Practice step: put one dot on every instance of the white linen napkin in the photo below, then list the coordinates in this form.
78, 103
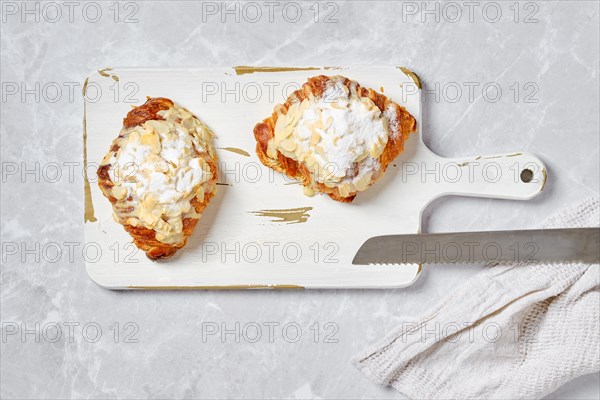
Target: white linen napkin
511, 332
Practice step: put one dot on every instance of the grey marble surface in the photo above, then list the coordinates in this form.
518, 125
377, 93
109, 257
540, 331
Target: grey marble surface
545, 60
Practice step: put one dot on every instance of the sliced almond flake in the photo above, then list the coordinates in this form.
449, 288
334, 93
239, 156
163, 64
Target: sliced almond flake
315, 138
288, 145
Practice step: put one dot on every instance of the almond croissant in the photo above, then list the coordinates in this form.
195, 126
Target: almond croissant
159, 174
334, 136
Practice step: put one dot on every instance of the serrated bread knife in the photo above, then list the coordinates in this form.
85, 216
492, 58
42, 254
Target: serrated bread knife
573, 245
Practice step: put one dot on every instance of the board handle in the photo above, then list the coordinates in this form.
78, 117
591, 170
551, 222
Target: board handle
518, 176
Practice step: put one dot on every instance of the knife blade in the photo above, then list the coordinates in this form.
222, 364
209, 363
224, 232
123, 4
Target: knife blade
571, 245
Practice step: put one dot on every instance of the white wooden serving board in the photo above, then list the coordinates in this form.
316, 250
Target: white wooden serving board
233, 246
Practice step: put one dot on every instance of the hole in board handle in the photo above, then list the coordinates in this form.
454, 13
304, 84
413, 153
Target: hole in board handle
526, 175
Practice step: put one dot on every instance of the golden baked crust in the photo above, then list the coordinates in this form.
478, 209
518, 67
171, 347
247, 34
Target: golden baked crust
147, 111
143, 237
404, 124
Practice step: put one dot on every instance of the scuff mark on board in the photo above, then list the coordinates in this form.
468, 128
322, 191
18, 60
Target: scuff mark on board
87, 190
245, 69
227, 287
416, 79
288, 215
236, 150
103, 72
